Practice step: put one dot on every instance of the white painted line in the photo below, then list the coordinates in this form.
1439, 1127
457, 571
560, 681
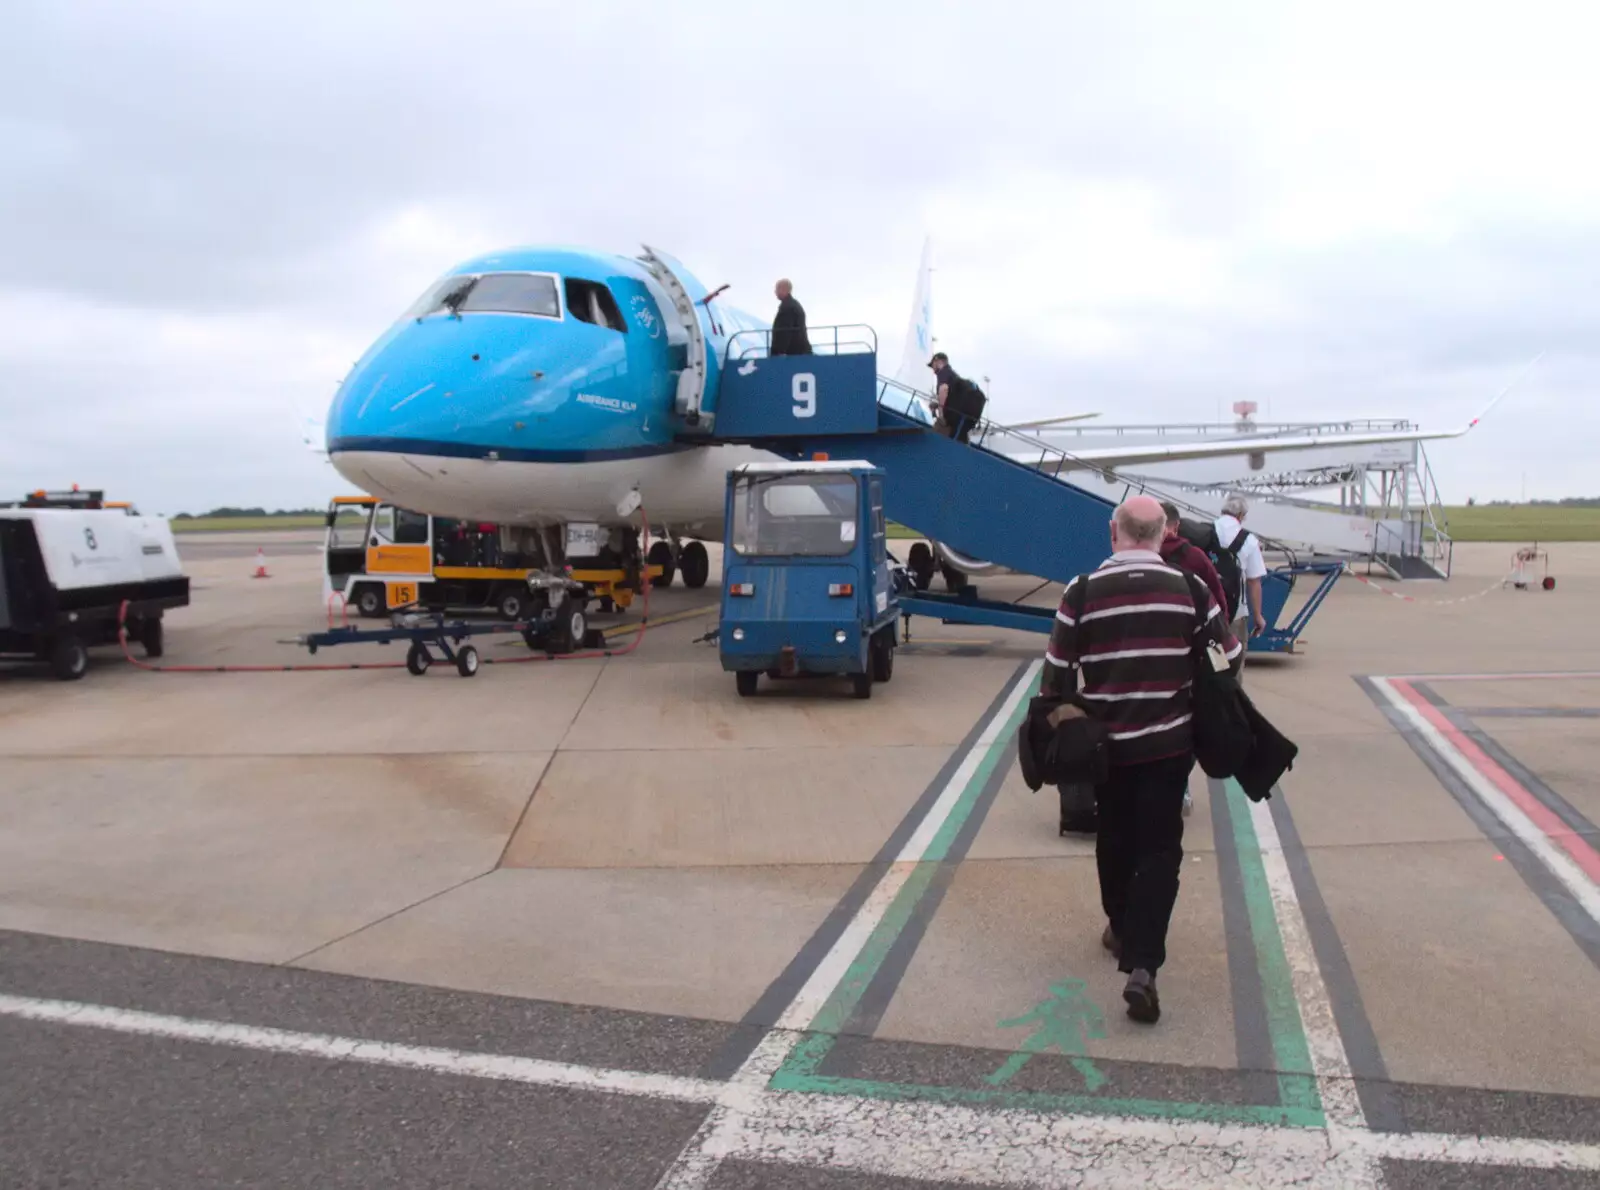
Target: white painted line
944, 1143
809, 1000
698, 1161
1514, 1151
534, 1071
1557, 861
935, 1141
1506, 677
948, 1143
1335, 1083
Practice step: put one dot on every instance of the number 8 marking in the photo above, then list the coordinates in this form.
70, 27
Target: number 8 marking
805, 394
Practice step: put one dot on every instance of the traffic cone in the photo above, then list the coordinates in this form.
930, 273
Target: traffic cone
261, 564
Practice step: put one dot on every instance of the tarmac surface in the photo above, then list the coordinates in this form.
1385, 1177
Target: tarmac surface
601, 922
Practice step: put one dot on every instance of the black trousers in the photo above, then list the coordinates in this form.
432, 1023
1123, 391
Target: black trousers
1139, 850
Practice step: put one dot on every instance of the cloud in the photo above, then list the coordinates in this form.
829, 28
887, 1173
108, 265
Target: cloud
208, 212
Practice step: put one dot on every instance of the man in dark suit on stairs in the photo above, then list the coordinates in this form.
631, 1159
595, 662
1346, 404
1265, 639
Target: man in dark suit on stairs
789, 325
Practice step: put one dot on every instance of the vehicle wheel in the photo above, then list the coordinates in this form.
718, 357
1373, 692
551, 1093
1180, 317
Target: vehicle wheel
607, 605
369, 601
883, 656
152, 638
921, 565
745, 680
513, 605
569, 628
661, 555
417, 660
863, 685
695, 564
69, 660
467, 661
954, 580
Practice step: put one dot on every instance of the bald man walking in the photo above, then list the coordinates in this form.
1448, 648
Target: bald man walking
1132, 634
789, 324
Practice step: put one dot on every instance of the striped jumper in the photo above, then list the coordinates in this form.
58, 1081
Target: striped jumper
1133, 647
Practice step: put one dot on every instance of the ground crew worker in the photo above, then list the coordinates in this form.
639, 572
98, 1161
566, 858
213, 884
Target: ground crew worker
1132, 657
789, 324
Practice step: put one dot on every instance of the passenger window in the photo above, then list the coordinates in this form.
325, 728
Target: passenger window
410, 528
383, 523
592, 302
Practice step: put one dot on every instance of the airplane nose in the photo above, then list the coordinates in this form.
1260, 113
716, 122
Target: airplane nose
446, 379
491, 386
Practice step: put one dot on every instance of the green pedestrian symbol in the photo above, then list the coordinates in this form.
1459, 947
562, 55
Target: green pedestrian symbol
1064, 1023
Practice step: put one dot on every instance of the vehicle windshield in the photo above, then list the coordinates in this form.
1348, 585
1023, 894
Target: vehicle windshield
794, 515
498, 293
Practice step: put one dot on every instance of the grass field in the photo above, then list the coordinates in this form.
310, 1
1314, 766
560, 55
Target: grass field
1481, 522
1523, 522
244, 524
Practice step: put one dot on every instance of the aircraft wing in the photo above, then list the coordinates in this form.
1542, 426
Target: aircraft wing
1117, 456
1046, 422
1108, 457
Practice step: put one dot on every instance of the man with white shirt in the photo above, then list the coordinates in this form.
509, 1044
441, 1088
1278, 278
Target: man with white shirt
1238, 550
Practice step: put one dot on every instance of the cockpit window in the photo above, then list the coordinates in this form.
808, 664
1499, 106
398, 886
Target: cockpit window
434, 299
500, 293
593, 302
514, 293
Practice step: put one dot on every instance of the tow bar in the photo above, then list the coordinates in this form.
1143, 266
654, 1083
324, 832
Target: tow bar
429, 632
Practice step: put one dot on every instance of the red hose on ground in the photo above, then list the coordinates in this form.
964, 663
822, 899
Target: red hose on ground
326, 667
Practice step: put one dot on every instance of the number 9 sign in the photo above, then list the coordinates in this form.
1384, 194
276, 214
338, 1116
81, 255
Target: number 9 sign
804, 390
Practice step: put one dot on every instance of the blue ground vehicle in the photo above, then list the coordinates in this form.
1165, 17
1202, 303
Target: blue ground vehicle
807, 588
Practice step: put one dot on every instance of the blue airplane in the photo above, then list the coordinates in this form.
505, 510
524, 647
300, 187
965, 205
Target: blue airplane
540, 386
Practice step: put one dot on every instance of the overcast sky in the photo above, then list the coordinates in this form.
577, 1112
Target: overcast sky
207, 211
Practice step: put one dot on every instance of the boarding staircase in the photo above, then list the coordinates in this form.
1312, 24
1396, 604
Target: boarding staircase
1000, 497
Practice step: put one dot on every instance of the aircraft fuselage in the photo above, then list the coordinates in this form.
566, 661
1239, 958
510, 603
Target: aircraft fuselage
536, 386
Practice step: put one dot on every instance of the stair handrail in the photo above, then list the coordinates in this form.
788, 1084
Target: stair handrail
986, 430
757, 344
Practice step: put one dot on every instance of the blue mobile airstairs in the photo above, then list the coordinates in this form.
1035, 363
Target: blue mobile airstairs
996, 498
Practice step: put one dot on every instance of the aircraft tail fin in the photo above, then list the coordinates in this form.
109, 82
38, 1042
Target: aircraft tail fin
919, 333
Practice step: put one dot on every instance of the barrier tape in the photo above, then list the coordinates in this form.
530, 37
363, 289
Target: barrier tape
1382, 590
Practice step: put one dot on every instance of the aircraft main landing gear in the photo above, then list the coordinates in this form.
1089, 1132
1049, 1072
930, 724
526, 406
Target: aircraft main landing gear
661, 555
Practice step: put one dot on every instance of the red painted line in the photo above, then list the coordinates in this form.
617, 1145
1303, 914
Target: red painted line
1511, 677
1541, 815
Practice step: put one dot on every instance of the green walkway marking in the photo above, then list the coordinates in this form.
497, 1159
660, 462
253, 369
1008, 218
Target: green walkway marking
1065, 1023
1047, 1101
807, 1056
1297, 1086
1068, 1020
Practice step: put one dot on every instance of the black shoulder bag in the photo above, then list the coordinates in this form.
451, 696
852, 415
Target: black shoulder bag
1220, 726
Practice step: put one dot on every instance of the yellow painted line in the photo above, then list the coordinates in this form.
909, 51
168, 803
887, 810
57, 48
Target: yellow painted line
656, 622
